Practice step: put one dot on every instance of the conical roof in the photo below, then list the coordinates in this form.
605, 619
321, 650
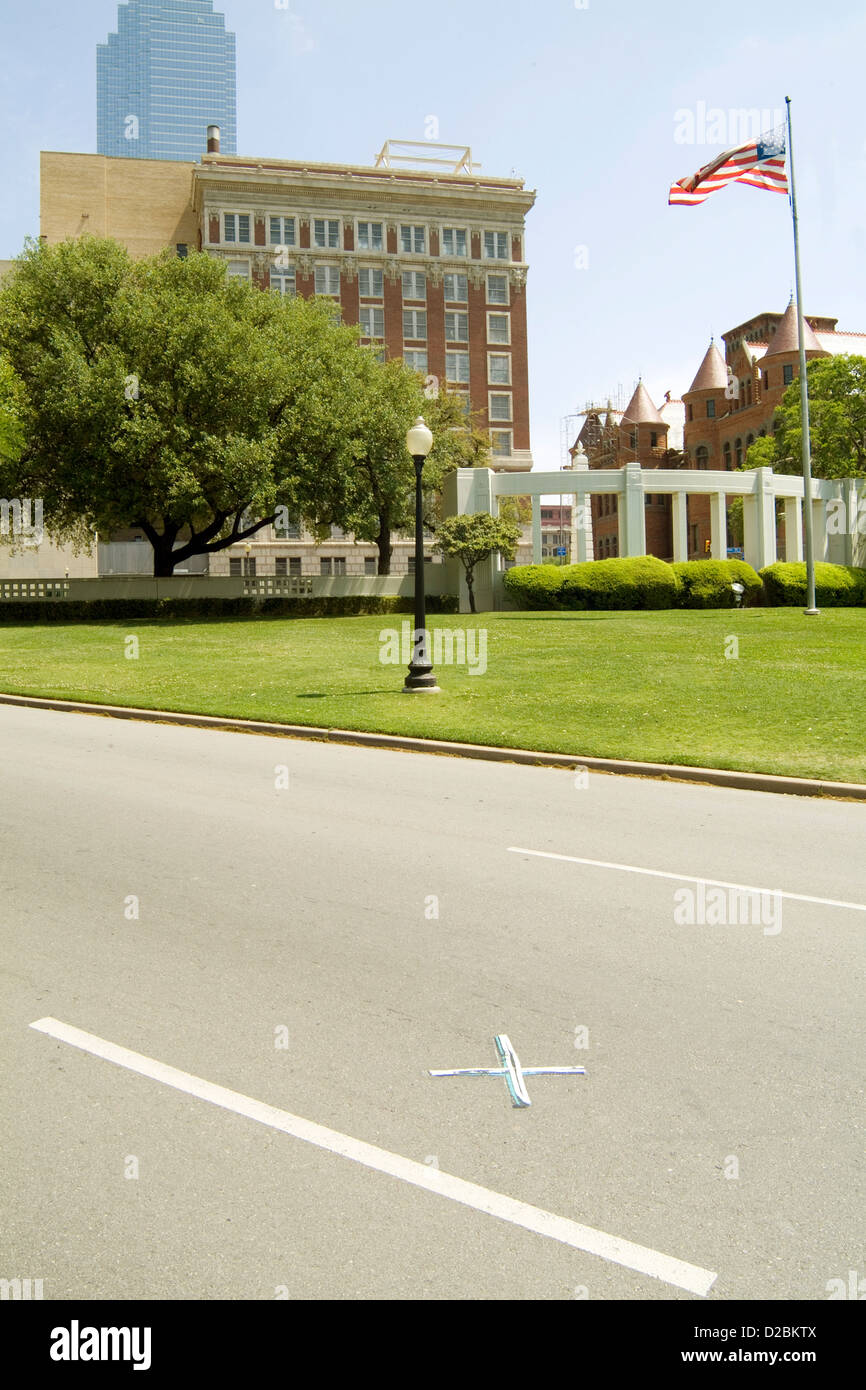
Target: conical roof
787, 339
640, 409
712, 373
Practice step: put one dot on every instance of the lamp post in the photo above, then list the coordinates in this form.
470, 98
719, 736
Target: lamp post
419, 442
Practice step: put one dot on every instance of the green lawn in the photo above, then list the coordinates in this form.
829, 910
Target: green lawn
653, 686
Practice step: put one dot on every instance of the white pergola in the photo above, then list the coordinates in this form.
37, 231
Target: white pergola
479, 490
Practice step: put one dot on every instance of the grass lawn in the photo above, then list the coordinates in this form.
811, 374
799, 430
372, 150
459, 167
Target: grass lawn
653, 686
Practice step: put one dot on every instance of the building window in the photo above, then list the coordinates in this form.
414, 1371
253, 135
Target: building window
499, 405
750, 441
283, 282
328, 280
282, 231
632, 439
498, 328
693, 534
497, 289
414, 284
280, 567
235, 568
413, 240
325, 565
371, 284
457, 367
702, 456
250, 566
372, 322
326, 233
499, 369
765, 377
182, 248
496, 246
370, 236
654, 439
711, 410
288, 530
369, 564
416, 360
738, 452
236, 227
500, 443
415, 324
727, 452
457, 328
787, 374
456, 289
410, 560
454, 241
294, 564
691, 412
239, 270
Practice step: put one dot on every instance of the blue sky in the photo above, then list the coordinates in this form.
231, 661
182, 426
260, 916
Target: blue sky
582, 103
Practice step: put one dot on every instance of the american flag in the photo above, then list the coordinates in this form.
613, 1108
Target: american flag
761, 163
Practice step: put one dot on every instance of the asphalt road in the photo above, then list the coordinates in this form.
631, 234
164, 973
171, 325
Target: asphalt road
319, 946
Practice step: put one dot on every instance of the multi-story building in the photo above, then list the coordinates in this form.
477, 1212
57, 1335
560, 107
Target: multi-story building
429, 260
168, 71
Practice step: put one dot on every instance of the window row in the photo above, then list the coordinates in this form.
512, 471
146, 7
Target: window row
326, 234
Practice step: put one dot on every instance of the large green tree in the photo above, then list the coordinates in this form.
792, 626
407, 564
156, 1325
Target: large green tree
837, 422
159, 395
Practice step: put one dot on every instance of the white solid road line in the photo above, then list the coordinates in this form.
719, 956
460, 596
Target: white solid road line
544, 1223
687, 878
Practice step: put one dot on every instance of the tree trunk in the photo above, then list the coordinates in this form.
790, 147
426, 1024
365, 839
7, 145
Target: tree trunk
163, 561
385, 548
470, 584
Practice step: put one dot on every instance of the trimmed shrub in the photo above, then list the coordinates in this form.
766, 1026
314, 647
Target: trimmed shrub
707, 583
534, 586
637, 583
192, 609
836, 586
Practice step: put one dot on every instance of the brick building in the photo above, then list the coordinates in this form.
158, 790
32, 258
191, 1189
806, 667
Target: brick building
644, 433
429, 260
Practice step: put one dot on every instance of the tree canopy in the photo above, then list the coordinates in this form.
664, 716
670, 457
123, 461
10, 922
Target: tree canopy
837, 422
157, 394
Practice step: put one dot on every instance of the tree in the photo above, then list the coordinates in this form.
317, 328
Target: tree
159, 395
837, 422
11, 434
473, 538
382, 494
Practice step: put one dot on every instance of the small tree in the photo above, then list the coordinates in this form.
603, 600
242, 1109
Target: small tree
473, 538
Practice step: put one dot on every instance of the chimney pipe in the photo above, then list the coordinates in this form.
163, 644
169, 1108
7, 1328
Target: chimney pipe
213, 139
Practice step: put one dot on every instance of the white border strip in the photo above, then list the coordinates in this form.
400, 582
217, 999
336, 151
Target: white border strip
687, 878
544, 1223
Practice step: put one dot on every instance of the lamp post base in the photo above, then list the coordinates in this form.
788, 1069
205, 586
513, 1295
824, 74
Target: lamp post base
420, 682
812, 612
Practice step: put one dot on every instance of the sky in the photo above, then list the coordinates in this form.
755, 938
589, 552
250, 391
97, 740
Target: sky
592, 102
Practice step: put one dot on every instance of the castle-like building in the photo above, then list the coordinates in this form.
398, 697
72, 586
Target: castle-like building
730, 403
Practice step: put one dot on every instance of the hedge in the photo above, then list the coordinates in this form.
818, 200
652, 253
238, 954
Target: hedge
707, 583
639, 582
836, 586
534, 586
92, 610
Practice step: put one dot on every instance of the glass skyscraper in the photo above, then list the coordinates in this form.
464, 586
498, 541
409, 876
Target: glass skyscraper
163, 78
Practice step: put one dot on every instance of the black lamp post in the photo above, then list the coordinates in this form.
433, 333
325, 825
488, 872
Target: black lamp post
419, 442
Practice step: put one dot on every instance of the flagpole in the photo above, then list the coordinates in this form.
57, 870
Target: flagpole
810, 608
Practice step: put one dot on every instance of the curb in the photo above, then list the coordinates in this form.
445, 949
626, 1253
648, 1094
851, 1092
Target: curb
669, 772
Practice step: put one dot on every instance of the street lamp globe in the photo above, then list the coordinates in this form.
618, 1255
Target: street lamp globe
419, 440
